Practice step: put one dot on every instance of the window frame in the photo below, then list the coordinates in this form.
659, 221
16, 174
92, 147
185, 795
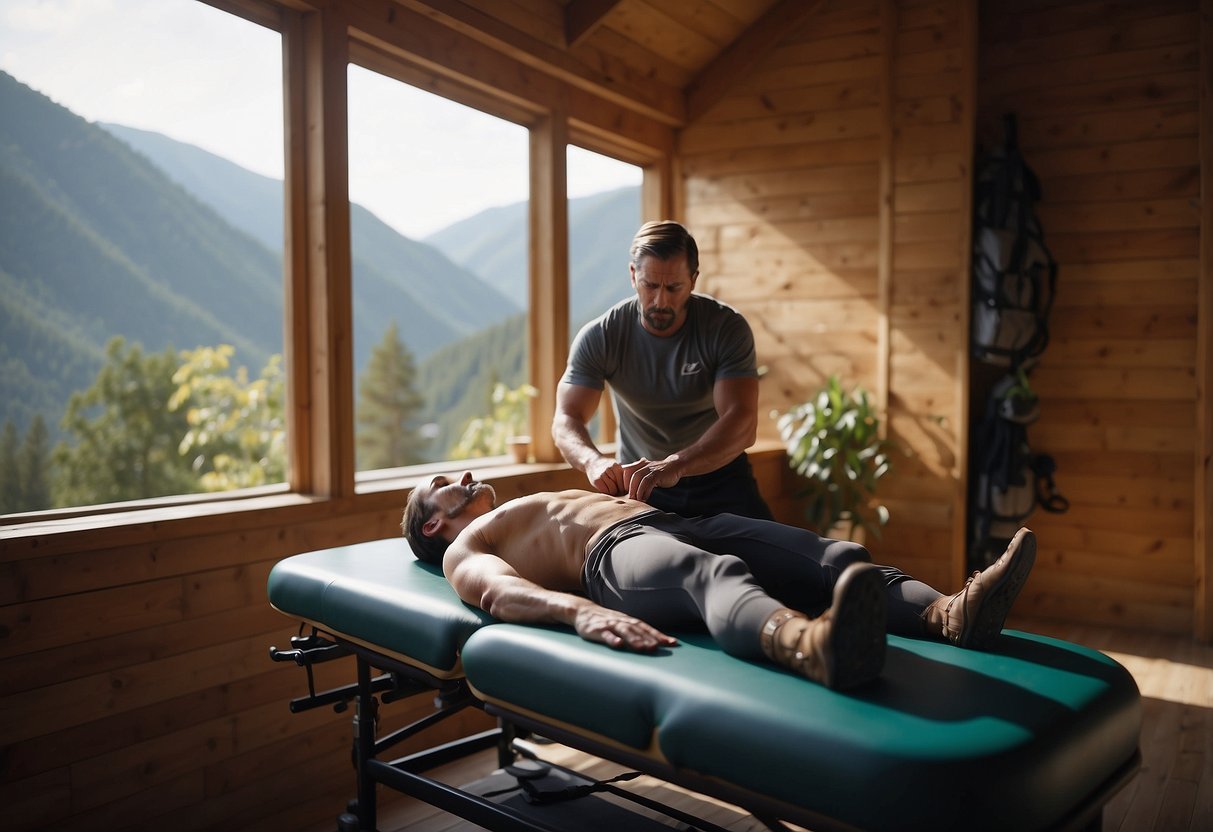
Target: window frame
319, 40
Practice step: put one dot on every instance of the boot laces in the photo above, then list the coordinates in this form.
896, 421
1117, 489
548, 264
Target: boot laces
963, 596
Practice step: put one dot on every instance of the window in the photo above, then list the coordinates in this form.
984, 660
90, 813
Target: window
141, 289
604, 214
438, 226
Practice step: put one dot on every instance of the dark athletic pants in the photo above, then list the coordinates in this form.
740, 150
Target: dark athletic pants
730, 489
731, 573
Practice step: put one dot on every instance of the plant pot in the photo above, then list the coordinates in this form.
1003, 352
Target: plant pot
520, 448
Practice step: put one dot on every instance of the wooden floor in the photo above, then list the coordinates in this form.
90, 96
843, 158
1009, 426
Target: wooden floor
1173, 792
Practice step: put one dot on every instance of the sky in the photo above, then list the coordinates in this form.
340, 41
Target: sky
199, 75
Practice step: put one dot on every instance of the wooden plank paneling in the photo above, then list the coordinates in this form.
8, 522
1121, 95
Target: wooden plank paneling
933, 110
797, 129
826, 273
731, 63
82, 658
1109, 124
749, 104
1203, 469
475, 40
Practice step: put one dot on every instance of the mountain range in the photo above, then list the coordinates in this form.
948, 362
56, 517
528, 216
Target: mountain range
601, 227
108, 230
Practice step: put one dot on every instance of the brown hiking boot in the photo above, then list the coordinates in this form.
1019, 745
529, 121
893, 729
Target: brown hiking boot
974, 616
844, 646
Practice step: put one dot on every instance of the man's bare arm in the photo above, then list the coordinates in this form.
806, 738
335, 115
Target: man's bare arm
575, 406
486, 581
735, 429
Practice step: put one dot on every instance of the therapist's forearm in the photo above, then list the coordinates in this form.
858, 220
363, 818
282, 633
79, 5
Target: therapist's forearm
720, 444
573, 440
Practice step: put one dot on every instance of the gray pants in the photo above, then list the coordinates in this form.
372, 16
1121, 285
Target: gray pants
730, 573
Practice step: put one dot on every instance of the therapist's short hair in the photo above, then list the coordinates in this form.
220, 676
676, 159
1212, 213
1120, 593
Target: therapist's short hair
665, 239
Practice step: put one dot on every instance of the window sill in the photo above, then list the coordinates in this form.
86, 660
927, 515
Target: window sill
488, 467
199, 514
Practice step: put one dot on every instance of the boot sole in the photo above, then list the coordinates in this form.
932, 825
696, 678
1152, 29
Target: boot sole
997, 600
858, 638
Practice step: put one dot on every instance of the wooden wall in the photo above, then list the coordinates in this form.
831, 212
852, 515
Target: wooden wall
1107, 98
829, 190
136, 688
830, 187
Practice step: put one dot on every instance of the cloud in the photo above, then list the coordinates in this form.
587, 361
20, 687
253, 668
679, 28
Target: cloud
39, 16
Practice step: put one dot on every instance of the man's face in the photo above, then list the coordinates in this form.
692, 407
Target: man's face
453, 497
664, 288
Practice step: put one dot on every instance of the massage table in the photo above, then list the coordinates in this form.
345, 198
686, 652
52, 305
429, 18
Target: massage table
1035, 734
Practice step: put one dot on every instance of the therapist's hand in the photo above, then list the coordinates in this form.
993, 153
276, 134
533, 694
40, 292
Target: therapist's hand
607, 476
644, 475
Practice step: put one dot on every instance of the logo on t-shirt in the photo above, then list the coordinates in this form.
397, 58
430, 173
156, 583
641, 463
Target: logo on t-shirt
690, 368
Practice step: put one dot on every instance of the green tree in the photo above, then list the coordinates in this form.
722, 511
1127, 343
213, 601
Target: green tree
388, 407
490, 435
236, 428
33, 464
126, 440
10, 474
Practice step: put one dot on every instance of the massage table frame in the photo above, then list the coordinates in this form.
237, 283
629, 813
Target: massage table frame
406, 774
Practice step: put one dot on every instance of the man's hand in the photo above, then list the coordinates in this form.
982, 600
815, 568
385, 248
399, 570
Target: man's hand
643, 475
607, 476
614, 629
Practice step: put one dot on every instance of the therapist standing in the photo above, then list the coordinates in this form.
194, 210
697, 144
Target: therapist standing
684, 382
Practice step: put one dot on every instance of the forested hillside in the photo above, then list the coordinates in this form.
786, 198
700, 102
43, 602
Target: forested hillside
458, 380
454, 377
94, 241
493, 245
433, 300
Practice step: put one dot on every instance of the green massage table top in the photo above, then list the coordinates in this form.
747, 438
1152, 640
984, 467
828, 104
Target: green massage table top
379, 595
1015, 738
946, 738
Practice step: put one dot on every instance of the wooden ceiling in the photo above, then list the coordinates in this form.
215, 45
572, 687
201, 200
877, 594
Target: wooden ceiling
668, 59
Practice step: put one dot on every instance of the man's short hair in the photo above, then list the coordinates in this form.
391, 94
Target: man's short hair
427, 548
665, 239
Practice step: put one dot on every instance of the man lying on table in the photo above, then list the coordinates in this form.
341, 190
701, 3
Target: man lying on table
616, 570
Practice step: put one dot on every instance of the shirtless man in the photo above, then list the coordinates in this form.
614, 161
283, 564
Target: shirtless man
616, 570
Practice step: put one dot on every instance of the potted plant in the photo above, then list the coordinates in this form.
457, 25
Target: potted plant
833, 440
504, 430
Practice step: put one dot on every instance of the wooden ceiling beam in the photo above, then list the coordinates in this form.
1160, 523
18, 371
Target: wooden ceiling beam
446, 63
581, 18
740, 57
655, 100
261, 12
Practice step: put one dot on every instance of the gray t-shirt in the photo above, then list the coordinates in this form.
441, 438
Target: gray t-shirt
662, 387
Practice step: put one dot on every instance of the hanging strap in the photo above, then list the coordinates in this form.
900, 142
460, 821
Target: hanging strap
1047, 497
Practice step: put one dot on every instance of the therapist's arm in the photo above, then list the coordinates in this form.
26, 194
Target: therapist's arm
735, 429
575, 406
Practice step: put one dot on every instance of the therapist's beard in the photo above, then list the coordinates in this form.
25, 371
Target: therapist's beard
660, 318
